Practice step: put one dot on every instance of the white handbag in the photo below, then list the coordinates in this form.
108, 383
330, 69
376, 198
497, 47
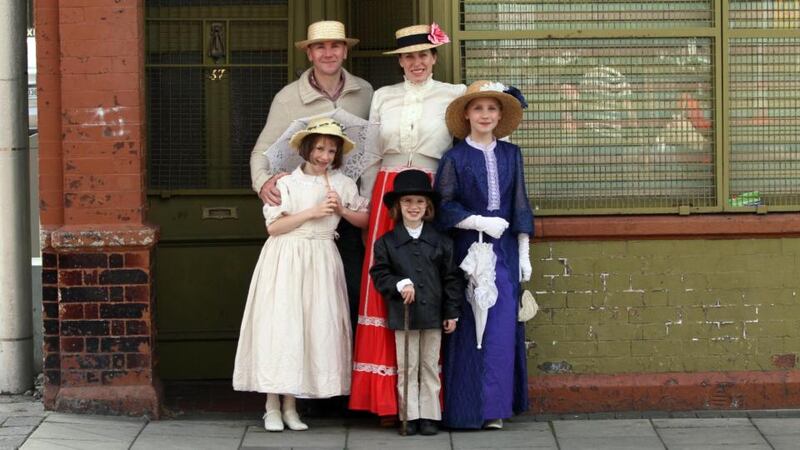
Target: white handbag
527, 306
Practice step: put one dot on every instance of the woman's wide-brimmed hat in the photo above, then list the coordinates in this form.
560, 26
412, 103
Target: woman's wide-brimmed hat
322, 125
326, 30
418, 37
511, 100
410, 182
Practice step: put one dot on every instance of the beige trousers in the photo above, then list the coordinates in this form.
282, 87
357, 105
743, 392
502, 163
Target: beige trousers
423, 373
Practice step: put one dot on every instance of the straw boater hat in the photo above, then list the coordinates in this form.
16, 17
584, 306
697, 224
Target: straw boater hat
326, 30
511, 114
410, 182
322, 125
418, 37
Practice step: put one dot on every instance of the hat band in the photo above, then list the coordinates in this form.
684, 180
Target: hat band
413, 39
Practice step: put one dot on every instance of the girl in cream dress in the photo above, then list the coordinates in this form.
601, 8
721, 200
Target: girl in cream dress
295, 338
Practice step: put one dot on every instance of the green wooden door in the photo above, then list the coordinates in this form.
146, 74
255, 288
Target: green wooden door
212, 70
213, 67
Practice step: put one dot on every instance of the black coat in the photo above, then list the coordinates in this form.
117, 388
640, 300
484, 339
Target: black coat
428, 263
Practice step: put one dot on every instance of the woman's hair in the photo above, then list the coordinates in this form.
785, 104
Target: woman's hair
309, 142
397, 215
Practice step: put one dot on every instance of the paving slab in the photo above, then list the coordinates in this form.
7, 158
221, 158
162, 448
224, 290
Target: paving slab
11, 442
607, 434
536, 435
388, 439
22, 409
784, 442
66, 431
605, 428
192, 435
23, 430
702, 423
709, 437
778, 427
18, 421
609, 443
316, 436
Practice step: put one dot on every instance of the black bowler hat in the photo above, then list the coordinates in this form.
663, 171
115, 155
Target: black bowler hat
410, 182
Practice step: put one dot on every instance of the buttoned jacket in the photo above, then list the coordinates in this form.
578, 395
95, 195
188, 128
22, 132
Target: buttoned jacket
428, 262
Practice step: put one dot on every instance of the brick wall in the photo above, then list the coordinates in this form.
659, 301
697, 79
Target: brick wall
632, 308
97, 312
665, 306
97, 248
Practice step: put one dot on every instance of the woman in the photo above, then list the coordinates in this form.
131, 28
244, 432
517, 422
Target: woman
413, 134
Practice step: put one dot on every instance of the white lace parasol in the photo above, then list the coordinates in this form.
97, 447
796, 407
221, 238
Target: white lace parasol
283, 158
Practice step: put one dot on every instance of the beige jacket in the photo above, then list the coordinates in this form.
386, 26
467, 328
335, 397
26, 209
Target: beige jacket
297, 100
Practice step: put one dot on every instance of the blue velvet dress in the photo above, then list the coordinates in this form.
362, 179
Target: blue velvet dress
487, 383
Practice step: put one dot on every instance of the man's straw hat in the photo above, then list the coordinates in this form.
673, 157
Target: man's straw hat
511, 114
322, 125
326, 30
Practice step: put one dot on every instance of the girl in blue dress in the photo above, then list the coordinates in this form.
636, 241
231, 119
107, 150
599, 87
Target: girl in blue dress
483, 190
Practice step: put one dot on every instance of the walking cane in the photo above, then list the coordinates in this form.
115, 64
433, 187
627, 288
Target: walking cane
405, 369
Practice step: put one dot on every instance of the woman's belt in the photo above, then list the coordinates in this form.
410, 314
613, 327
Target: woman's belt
416, 160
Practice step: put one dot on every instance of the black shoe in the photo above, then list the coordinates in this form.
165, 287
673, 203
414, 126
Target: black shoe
411, 428
428, 427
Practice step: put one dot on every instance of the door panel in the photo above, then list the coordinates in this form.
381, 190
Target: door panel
213, 67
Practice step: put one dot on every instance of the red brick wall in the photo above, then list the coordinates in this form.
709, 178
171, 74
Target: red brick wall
97, 248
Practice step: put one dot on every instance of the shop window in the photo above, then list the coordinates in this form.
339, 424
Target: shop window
647, 107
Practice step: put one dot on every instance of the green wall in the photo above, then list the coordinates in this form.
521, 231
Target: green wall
664, 305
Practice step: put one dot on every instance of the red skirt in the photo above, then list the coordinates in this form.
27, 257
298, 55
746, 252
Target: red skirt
374, 380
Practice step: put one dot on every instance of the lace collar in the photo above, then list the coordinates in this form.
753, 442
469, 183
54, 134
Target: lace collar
411, 86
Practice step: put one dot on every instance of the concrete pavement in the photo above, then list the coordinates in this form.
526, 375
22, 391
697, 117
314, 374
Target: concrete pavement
25, 424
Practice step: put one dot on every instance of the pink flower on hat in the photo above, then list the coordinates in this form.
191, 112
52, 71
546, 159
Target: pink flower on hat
437, 35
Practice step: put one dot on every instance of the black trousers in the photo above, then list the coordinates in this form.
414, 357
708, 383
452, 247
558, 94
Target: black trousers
351, 247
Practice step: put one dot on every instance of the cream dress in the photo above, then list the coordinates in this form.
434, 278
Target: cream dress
295, 336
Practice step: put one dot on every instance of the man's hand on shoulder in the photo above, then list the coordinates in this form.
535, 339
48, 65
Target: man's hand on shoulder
269, 193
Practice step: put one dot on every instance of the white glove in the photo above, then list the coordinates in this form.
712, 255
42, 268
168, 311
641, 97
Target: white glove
525, 268
493, 226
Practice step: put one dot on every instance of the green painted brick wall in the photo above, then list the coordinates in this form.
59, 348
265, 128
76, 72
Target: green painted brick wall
664, 306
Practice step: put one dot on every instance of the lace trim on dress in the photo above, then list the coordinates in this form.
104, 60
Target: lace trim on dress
491, 173
372, 321
375, 368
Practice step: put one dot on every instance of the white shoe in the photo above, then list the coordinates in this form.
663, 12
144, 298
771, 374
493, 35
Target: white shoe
292, 420
494, 424
272, 421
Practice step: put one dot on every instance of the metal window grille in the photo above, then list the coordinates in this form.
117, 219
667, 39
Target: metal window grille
518, 15
213, 67
627, 115
612, 123
770, 14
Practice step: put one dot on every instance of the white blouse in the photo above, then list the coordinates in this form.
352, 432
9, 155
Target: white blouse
411, 117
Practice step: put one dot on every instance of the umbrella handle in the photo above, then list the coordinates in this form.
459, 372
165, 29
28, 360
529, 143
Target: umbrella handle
480, 237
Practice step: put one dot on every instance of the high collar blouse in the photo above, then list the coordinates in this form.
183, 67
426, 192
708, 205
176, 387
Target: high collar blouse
411, 117
493, 184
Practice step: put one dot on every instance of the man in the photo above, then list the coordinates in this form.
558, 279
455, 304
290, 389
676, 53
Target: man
320, 89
